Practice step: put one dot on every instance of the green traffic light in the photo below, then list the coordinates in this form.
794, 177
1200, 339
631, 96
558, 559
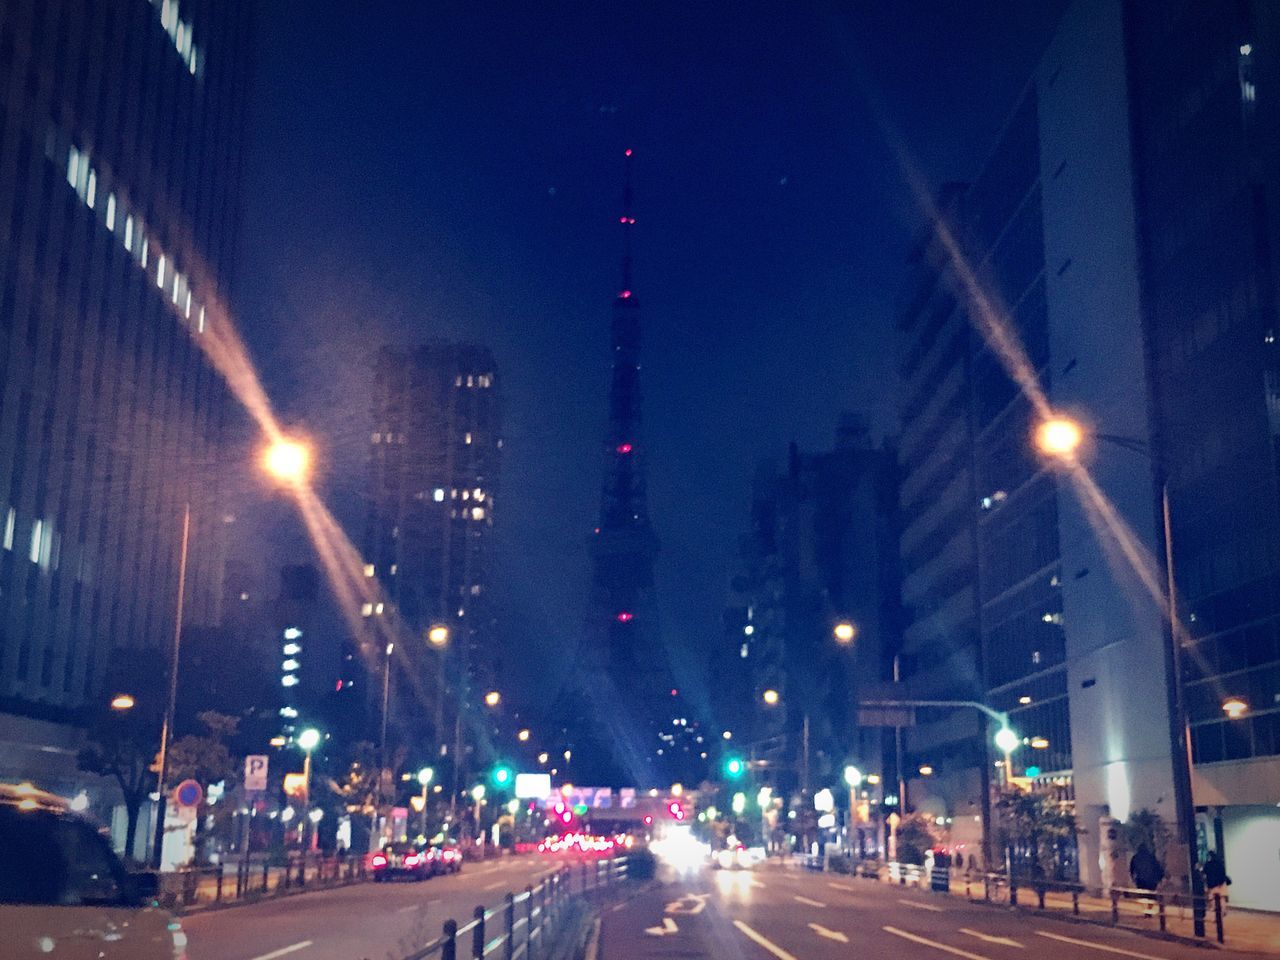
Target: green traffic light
734, 768
501, 776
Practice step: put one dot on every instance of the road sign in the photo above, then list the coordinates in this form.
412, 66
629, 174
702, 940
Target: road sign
255, 773
533, 786
886, 717
188, 794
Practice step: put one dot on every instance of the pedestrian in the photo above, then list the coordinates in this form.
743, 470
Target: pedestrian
1147, 873
1216, 880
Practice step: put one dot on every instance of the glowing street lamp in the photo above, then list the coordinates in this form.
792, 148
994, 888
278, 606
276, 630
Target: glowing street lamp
122, 701
523, 736
853, 777
1235, 707
438, 635
287, 460
770, 697
308, 740
1059, 437
844, 632
425, 776
492, 698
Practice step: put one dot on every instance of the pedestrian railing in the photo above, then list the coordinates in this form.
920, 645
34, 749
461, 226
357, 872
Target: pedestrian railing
526, 922
1166, 911
237, 881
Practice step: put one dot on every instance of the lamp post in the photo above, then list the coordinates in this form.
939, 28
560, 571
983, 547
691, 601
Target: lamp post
425, 776
853, 780
1060, 438
308, 740
477, 794
171, 700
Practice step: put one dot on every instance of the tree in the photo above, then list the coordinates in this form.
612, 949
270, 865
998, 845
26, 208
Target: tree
915, 838
358, 787
122, 745
207, 760
1146, 828
1033, 829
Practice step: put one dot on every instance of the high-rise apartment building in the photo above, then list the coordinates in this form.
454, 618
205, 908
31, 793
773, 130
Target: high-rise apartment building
120, 134
435, 449
1121, 236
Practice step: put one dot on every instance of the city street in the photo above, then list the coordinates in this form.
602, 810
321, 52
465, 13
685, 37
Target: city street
787, 913
367, 920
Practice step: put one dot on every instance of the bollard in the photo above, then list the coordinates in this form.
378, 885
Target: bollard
477, 935
449, 943
1013, 891
1160, 909
509, 914
1075, 902
218, 889
1040, 895
1217, 916
528, 921
266, 874
1115, 908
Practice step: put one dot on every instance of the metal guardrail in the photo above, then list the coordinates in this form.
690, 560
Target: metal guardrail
227, 883
525, 920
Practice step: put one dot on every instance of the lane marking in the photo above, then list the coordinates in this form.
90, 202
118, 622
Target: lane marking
494, 886
412, 906
1003, 941
933, 943
1097, 946
841, 886
765, 942
919, 906
668, 927
812, 903
679, 906
301, 945
822, 931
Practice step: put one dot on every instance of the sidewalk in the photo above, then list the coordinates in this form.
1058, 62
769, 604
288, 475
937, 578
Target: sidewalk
1248, 930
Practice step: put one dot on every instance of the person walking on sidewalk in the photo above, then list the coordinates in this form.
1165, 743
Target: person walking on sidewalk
1147, 874
1216, 880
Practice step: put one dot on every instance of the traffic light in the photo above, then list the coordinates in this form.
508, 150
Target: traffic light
501, 775
734, 768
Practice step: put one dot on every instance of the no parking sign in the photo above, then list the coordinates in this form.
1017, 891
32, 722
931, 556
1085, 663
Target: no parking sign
188, 794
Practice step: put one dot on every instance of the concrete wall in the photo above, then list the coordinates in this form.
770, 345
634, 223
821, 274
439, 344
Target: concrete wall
1114, 632
1252, 839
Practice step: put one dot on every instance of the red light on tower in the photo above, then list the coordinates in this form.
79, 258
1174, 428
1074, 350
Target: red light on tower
625, 616
625, 295
624, 448
628, 152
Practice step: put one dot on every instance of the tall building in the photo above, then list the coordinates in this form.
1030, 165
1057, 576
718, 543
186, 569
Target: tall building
822, 550
435, 449
630, 682
120, 145
1121, 234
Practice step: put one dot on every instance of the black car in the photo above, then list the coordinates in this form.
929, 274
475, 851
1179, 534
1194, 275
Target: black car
405, 860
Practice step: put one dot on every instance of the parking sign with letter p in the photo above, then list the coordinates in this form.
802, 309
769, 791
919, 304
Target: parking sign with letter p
255, 773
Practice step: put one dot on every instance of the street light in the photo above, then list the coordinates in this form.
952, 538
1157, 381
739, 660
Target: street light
770, 697
425, 776
523, 736
122, 701
288, 461
492, 698
438, 635
1235, 707
308, 740
1060, 437
543, 758
844, 632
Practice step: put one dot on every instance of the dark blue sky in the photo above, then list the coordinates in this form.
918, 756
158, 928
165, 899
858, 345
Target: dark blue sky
422, 170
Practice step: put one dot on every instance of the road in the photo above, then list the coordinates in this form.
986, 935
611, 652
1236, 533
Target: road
785, 913
367, 921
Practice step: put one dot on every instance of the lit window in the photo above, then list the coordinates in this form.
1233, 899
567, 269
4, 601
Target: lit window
743, 652
478, 494
111, 212
289, 680
477, 513
10, 518
244, 596
378, 608
438, 494
37, 535
289, 713
73, 167
467, 438
290, 665
470, 380
394, 568
292, 649
368, 569
377, 438
200, 325
748, 629
91, 191
187, 309
366, 610
143, 252
292, 633
466, 494
475, 589
160, 272
128, 233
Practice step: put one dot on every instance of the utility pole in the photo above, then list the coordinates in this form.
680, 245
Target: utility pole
171, 701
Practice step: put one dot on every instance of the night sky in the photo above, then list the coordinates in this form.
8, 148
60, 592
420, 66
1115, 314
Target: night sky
454, 170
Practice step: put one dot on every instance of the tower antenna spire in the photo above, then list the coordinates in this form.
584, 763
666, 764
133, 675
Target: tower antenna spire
627, 220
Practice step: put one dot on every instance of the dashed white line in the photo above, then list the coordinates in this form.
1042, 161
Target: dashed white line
919, 906
914, 938
841, 886
494, 886
1003, 941
302, 945
1097, 946
806, 900
764, 941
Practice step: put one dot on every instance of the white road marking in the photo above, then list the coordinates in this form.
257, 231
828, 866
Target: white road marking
822, 931
841, 886
302, 945
668, 927
764, 941
933, 943
679, 906
412, 906
812, 903
494, 886
919, 906
1003, 941
1098, 946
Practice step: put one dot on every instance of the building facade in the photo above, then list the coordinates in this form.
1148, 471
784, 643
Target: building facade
435, 450
120, 134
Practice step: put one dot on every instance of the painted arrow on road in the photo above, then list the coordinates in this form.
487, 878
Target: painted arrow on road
822, 931
668, 927
1003, 941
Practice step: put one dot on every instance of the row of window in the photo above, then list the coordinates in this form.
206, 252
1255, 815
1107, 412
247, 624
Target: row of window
474, 380
83, 178
180, 32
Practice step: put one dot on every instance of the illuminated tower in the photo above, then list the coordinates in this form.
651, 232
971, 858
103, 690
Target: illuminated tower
629, 676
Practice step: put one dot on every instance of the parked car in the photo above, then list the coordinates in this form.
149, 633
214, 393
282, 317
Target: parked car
63, 892
402, 861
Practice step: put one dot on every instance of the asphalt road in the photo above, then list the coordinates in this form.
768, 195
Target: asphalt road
368, 921
785, 913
